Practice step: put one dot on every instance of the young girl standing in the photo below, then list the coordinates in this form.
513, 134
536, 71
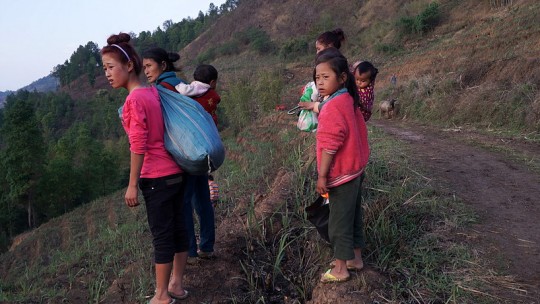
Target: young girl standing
152, 168
342, 154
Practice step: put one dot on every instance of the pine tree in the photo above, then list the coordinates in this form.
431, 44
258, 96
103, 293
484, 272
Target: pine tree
24, 153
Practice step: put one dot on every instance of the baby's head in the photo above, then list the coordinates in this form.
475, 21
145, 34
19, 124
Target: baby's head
364, 73
206, 73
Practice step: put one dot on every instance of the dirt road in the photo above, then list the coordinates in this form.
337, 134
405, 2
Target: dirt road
505, 194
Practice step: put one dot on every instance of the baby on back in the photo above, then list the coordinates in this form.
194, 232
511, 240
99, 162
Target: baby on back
203, 89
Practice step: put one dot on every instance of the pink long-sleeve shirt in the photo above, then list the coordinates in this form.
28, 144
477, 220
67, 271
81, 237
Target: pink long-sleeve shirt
343, 133
143, 121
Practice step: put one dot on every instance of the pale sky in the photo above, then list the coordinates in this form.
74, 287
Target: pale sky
37, 35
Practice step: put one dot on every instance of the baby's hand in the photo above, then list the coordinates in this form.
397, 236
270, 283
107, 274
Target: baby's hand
306, 105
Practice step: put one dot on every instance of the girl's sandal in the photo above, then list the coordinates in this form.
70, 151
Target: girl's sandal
179, 297
173, 301
327, 277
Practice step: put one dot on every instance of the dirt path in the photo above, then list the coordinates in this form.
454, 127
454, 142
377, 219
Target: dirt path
217, 280
504, 194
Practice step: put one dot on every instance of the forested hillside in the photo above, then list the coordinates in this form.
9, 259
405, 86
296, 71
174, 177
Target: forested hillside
3, 96
44, 84
61, 150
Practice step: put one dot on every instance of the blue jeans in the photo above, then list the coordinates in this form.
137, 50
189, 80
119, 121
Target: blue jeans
197, 196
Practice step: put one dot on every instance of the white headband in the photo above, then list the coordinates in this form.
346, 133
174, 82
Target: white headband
121, 49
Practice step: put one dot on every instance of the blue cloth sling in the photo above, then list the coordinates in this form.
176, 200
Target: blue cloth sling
191, 135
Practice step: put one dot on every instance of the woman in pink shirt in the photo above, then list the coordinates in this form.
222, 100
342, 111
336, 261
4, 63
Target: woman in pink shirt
152, 168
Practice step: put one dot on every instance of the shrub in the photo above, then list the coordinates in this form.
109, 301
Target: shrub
294, 48
228, 48
262, 43
427, 20
407, 25
256, 38
242, 37
250, 98
387, 48
206, 56
499, 3
239, 108
268, 90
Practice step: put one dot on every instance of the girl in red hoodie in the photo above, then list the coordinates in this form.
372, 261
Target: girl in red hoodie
342, 155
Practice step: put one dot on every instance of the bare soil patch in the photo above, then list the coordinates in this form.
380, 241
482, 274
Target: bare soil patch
504, 193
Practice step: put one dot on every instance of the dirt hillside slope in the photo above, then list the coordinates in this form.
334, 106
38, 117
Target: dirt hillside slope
504, 194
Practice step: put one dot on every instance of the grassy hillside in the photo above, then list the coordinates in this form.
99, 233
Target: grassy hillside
476, 67
473, 66
267, 251
101, 252
78, 257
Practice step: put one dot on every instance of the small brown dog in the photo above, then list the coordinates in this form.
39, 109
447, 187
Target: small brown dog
389, 108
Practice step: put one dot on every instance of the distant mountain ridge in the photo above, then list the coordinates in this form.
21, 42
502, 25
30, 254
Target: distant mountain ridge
45, 84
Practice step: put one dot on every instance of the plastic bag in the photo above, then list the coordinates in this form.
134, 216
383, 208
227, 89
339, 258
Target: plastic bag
307, 121
309, 92
318, 214
191, 135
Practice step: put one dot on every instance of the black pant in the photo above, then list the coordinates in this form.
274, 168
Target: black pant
164, 203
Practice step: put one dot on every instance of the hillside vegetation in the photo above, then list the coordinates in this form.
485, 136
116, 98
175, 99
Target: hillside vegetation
44, 84
469, 63
474, 64
50, 142
268, 252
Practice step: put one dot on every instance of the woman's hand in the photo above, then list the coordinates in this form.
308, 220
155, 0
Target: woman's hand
132, 193
321, 185
306, 105
132, 196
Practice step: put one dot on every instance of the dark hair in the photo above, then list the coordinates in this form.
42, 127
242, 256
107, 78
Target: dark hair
117, 45
332, 38
366, 66
210, 177
339, 65
159, 55
205, 73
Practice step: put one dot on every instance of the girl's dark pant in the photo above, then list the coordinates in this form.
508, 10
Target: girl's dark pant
345, 225
164, 203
